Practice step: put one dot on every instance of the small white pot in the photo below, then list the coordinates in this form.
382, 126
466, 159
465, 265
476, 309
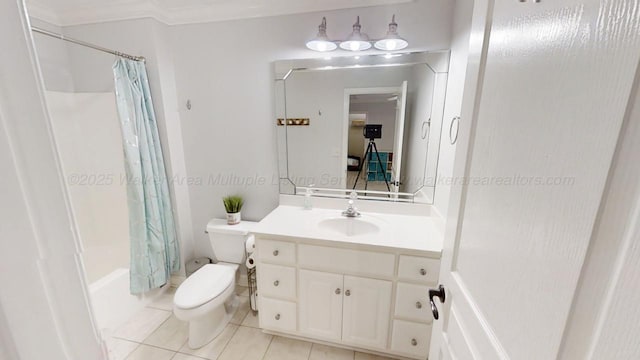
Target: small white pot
233, 219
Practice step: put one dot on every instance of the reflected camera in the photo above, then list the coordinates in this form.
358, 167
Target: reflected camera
372, 131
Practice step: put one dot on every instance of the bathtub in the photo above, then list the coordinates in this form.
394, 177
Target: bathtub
112, 303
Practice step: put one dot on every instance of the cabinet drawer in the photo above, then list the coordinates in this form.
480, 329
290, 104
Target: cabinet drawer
411, 338
276, 281
412, 302
277, 314
418, 269
346, 261
280, 252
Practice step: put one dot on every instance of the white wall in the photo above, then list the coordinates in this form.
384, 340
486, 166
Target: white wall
93, 168
382, 114
226, 70
54, 59
316, 150
460, 31
43, 299
91, 71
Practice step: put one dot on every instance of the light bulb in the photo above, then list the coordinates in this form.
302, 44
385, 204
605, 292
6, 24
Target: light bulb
391, 44
322, 46
354, 46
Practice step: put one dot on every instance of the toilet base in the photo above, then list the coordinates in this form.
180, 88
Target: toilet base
208, 326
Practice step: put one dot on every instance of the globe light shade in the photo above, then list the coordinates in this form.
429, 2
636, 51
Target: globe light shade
322, 42
357, 41
355, 45
392, 41
321, 45
391, 44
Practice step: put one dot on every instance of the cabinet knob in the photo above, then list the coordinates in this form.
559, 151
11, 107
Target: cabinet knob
347, 293
423, 272
338, 291
414, 342
275, 252
277, 316
418, 305
276, 283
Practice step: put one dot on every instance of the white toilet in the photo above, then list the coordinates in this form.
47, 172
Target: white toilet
206, 299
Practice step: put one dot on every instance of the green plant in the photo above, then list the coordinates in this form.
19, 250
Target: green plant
233, 203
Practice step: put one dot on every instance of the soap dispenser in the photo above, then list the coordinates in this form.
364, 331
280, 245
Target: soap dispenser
307, 197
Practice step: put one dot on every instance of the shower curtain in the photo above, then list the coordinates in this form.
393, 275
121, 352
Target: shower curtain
154, 244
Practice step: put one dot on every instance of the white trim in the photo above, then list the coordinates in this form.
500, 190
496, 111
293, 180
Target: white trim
345, 117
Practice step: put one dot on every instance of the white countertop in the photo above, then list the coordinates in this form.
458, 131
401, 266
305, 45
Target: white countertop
416, 233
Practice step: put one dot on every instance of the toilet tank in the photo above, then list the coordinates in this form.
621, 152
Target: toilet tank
227, 241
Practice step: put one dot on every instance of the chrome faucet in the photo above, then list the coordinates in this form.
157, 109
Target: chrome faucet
351, 211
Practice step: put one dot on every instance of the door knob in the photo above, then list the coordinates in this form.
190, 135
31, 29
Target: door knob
347, 293
338, 291
423, 272
275, 252
277, 316
439, 293
418, 305
276, 283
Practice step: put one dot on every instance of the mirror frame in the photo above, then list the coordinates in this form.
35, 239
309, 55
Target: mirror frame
437, 61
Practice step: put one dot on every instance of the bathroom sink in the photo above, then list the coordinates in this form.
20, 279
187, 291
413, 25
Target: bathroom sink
349, 226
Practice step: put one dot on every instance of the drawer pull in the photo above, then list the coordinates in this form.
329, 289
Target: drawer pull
277, 316
276, 283
423, 272
418, 305
338, 291
347, 293
414, 342
275, 252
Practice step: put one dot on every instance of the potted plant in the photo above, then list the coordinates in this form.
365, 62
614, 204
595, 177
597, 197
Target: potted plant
233, 205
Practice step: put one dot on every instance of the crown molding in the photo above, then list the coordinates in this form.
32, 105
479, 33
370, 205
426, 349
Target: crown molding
190, 12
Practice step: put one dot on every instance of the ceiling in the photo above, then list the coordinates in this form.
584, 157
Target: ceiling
173, 12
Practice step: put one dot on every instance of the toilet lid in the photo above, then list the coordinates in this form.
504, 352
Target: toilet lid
203, 286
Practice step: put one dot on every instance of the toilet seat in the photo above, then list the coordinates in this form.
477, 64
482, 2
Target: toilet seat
204, 285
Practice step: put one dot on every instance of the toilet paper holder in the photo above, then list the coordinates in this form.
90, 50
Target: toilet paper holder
253, 287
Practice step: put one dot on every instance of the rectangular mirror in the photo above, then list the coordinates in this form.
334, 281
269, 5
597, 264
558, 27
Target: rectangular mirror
366, 123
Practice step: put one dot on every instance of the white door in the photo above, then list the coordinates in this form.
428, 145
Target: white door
320, 304
539, 129
366, 308
401, 110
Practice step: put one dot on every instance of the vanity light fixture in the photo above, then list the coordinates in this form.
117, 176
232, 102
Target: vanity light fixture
321, 42
358, 41
392, 41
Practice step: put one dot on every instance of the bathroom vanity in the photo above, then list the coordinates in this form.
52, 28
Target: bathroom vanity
360, 283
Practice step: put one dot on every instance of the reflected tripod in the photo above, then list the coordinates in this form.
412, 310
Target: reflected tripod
368, 153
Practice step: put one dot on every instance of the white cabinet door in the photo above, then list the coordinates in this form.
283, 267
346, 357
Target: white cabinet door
555, 78
320, 304
367, 304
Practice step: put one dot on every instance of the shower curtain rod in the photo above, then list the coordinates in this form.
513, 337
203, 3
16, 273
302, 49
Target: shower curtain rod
89, 45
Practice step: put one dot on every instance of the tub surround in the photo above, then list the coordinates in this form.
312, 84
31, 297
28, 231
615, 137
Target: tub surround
359, 283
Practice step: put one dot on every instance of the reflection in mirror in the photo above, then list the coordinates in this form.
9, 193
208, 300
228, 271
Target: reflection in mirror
367, 126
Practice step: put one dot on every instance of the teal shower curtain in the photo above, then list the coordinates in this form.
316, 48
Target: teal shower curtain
155, 252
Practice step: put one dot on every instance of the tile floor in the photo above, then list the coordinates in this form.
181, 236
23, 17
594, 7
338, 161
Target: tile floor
155, 334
